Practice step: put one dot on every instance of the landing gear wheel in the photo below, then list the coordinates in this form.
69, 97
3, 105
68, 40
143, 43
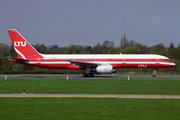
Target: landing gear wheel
88, 75
91, 74
154, 73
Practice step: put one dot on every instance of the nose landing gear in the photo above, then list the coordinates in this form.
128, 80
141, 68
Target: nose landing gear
154, 73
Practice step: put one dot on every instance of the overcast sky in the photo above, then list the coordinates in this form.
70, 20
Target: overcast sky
88, 22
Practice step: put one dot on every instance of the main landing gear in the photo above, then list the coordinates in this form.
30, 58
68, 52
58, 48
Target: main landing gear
88, 73
154, 73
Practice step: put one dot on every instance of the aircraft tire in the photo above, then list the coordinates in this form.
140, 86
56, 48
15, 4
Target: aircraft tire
88, 75
91, 74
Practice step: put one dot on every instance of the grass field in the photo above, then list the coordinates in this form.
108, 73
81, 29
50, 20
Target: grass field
94, 86
88, 109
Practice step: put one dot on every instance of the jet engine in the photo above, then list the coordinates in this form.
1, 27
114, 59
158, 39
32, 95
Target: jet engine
105, 68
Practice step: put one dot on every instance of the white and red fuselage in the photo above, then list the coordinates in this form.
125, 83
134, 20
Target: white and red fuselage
101, 63
117, 61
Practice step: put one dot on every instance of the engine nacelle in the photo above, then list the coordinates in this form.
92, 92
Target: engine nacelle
105, 68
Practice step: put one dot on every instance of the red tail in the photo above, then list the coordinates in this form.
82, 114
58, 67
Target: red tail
23, 49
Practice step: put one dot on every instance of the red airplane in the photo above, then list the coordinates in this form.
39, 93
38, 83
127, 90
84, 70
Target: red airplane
100, 63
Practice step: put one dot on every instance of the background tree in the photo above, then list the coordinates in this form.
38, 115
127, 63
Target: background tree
5, 63
106, 46
72, 49
1, 64
179, 44
143, 49
4, 49
130, 50
54, 49
158, 49
96, 49
171, 45
123, 41
41, 48
174, 53
113, 50
87, 49
63, 50
12, 51
79, 49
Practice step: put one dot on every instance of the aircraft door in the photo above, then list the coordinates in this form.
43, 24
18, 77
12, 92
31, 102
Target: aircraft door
124, 61
38, 60
157, 61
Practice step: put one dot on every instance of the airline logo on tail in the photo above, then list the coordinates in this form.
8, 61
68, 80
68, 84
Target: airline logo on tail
22, 47
19, 44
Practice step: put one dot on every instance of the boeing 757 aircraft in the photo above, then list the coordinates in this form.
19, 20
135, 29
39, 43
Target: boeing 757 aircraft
100, 63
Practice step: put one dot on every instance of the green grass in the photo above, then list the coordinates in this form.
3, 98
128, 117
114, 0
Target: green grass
94, 86
88, 109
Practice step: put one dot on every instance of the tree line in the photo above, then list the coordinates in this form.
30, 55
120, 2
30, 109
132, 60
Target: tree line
126, 47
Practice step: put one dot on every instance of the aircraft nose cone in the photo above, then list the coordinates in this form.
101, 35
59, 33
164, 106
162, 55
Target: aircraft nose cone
172, 64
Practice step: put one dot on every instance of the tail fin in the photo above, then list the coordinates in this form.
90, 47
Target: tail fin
23, 49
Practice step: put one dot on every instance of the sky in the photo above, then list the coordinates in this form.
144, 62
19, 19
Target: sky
88, 22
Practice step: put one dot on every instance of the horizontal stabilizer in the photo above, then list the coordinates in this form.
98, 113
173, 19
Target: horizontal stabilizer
20, 59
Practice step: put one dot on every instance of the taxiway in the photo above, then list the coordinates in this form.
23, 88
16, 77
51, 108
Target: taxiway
139, 96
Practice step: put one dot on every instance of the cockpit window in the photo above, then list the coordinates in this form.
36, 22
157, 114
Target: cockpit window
166, 59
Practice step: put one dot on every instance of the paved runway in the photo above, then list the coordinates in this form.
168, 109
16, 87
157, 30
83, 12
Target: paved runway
96, 76
139, 96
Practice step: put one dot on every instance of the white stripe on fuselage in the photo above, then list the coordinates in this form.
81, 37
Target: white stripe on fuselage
59, 59
103, 62
103, 56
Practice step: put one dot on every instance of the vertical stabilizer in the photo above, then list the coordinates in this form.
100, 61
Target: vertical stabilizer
23, 49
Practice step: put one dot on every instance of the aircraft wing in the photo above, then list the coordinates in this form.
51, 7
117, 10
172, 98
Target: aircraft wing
84, 64
20, 59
